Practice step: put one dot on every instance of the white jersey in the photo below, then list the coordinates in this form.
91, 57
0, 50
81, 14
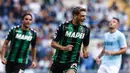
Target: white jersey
113, 42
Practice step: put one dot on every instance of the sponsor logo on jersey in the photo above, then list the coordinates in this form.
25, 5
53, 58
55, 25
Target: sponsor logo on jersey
75, 34
23, 37
18, 31
74, 66
21, 71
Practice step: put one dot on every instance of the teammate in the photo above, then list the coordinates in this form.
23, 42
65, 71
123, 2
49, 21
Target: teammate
20, 38
114, 46
67, 42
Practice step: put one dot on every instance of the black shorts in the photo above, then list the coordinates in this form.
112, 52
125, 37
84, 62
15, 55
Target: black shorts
63, 67
12, 67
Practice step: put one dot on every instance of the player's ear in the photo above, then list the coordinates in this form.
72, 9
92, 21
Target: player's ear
74, 16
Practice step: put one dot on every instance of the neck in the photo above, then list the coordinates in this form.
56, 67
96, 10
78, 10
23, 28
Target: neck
74, 22
112, 30
24, 28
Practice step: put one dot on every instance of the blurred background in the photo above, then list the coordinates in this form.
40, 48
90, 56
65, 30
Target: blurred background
48, 14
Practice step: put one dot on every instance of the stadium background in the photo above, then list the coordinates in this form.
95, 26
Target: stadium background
48, 14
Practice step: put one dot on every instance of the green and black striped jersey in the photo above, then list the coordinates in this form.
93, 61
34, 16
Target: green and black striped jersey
69, 34
20, 41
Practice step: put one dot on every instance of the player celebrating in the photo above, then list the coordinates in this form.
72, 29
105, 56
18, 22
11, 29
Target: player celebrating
20, 38
67, 42
114, 46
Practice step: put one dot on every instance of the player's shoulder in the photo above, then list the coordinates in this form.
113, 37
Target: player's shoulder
15, 27
85, 27
120, 33
64, 24
107, 33
33, 30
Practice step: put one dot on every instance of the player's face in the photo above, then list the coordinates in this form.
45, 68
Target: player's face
113, 24
27, 21
81, 17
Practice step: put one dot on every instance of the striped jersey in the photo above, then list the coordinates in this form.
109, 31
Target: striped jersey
69, 34
20, 41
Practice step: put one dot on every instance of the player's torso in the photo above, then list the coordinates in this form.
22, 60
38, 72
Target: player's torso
22, 38
111, 41
23, 35
72, 35
19, 46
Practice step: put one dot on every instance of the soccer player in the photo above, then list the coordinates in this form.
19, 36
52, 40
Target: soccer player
20, 38
114, 46
67, 42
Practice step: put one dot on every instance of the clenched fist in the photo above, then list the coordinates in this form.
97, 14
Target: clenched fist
85, 54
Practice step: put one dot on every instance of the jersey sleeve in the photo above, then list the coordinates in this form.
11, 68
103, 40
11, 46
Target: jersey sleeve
10, 34
33, 42
58, 33
86, 38
122, 41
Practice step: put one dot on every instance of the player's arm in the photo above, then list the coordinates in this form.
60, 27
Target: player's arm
123, 46
86, 43
85, 52
4, 48
55, 44
5, 45
58, 36
98, 59
101, 54
122, 51
33, 48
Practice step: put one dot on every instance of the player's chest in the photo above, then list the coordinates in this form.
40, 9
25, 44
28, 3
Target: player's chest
72, 32
22, 35
110, 40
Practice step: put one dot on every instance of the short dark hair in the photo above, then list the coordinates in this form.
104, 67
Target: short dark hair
116, 19
77, 10
25, 14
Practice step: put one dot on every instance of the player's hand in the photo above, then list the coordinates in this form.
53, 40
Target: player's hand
4, 61
85, 54
108, 52
98, 60
33, 64
68, 48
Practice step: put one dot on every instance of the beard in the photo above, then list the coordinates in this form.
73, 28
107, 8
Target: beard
110, 26
80, 22
25, 26
77, 22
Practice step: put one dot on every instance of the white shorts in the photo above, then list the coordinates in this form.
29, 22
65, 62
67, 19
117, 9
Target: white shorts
108, 69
